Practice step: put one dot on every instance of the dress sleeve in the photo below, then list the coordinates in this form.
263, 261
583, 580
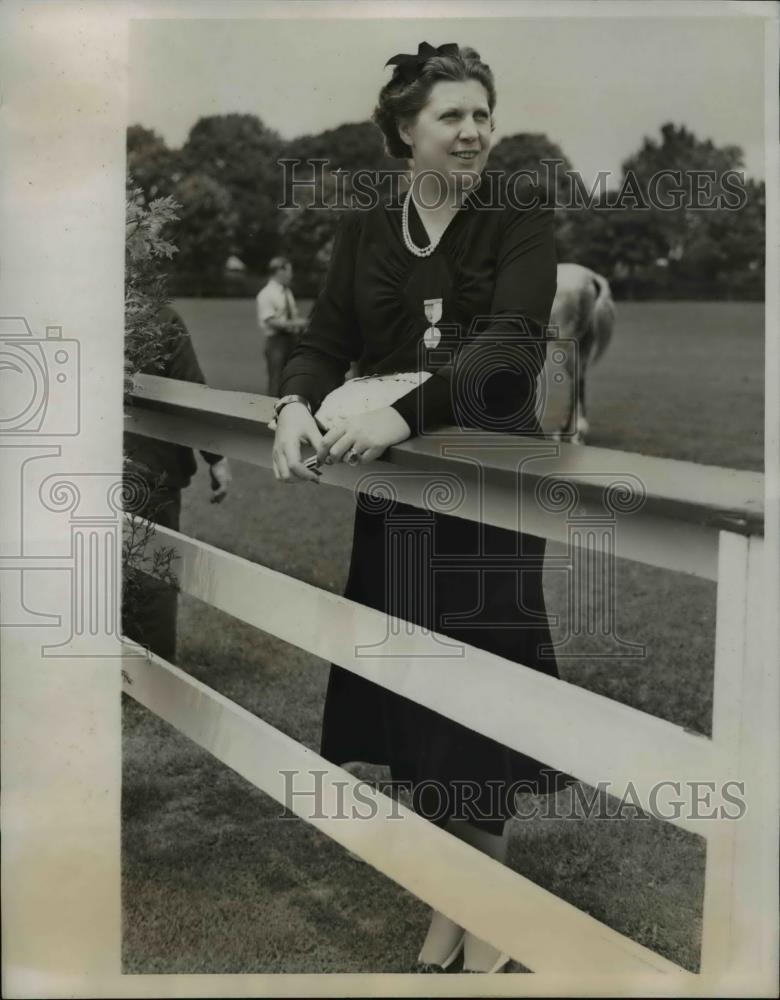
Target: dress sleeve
332, 341
504, 356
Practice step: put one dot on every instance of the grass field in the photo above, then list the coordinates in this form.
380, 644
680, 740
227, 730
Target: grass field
680, 379
213, 881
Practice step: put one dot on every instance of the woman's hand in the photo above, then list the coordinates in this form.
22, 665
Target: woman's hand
294, 425
365, 436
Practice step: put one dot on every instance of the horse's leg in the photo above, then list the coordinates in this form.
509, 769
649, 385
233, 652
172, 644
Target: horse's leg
581, 427
575, 426
568, 426
585, 353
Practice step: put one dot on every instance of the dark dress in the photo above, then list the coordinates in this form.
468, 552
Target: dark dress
495, 265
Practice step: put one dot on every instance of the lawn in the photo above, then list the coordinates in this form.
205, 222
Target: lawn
680, 379
214, 881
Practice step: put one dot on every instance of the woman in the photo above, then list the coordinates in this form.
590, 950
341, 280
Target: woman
476, 261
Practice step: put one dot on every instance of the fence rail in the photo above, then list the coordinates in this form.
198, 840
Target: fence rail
693, 519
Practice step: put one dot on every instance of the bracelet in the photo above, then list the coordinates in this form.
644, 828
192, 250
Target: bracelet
281, 403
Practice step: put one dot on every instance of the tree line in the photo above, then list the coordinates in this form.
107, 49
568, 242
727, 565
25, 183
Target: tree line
228, 184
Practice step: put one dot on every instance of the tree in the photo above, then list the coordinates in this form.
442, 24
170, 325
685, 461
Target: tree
306, 236
747, 233
207, 225
527, 151
146, 250
726, 248
241, 154
306, 233
613, 241
351, 147
154, 168
545, 161
680, 149
717, 247
654, 166
148, 343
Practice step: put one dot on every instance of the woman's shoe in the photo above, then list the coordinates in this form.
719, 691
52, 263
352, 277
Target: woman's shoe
419, 968
426, 967
497, 965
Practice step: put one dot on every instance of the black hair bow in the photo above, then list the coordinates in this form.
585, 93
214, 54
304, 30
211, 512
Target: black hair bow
424, 53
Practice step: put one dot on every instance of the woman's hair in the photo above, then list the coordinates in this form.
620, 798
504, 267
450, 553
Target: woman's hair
407, 92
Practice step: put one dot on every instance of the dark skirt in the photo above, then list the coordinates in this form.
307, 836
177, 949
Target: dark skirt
399, 565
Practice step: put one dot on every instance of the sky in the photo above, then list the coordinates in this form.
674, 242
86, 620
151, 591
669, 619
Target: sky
597, 86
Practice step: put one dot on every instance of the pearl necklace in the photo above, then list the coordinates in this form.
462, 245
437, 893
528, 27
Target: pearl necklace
410, 246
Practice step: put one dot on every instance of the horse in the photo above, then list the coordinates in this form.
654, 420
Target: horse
583, 312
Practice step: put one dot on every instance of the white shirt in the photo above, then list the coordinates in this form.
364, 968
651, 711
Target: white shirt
274, 301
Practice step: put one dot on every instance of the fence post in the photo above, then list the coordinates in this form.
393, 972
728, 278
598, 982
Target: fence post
739, 903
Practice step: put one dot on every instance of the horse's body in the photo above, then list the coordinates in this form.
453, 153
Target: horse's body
583, 312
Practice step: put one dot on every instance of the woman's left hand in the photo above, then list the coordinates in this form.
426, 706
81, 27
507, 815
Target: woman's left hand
367, 436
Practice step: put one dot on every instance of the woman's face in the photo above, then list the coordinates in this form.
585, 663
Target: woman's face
452, 133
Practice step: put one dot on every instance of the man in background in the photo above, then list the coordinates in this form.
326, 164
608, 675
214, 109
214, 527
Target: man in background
166, 469
278, 319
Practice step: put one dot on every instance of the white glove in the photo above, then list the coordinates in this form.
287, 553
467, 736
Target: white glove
368, 392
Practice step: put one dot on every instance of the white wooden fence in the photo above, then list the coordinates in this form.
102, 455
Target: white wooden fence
694, 519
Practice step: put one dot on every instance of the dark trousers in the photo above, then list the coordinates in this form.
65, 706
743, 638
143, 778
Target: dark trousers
149, 615
278, 348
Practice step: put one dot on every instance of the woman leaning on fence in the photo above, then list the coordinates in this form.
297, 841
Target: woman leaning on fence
396, 272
